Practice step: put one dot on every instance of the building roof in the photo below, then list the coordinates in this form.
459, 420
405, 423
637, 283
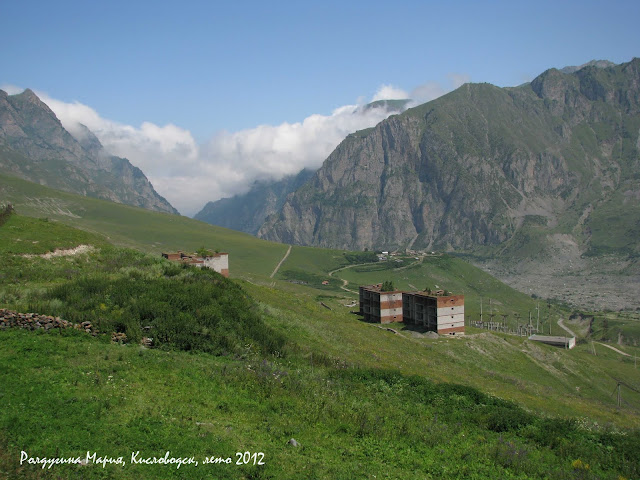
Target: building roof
378, 289
550, 339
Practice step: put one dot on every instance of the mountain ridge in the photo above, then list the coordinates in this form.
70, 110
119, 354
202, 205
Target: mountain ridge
511, 175
34, 145
247, 212
491, 134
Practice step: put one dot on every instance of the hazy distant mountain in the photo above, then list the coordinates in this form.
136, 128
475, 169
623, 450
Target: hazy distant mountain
247, 212
35, 146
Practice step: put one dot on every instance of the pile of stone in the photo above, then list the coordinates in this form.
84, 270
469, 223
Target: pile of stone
118, 337
35, 321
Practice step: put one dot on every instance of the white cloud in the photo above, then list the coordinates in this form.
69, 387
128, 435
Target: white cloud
11, 89
189, 175
432, 90
389, 92
154, 149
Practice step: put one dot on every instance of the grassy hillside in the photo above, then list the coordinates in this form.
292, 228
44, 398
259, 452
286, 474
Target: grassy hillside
141, 229
349, 423
358, 400
105, 287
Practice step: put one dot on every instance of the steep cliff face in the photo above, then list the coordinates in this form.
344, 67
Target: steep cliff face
35, 146
247, 212
478, 167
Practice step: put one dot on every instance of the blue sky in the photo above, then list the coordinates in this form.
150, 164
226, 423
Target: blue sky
211, 67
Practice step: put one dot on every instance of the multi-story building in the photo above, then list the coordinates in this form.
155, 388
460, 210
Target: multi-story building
377, 306
437, 312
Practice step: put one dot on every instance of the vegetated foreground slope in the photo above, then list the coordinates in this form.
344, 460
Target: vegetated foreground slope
35, 146
320, 378
543, 179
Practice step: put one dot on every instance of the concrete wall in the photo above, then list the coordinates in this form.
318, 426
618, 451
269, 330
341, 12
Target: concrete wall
390, 307
219, 263
381, 307
444, 315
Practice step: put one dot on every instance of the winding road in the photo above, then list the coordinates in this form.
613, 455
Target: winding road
561, 325
566, 329
345, 282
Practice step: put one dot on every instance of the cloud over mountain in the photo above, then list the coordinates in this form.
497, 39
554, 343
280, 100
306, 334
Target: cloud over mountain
189, 174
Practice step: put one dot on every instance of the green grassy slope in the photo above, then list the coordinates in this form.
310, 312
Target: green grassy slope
298, 305
144, 230
359, 399
85, 395
541, 378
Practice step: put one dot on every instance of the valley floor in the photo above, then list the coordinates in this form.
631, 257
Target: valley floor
589, 289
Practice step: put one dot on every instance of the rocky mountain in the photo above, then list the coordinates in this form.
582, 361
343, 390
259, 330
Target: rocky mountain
592, 63
543, 178
35, 146
247, 212
475, 166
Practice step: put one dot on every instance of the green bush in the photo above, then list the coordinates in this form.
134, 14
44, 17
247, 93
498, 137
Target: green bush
185, 308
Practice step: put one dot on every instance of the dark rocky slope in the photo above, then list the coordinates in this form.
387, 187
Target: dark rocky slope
35, 146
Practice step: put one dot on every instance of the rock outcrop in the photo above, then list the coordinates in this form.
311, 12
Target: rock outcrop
35, 146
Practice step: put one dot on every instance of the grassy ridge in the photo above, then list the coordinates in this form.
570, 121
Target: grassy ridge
144, 230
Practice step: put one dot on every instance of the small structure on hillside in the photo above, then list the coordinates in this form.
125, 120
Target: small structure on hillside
564, 342
215, 261
380, 306
435, 311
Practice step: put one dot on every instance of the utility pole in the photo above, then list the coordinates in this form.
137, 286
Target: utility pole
481, 311
538, 322
619, 395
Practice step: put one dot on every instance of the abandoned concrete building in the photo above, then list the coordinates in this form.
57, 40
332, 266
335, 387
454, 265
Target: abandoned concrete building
217, 261
380, 307
564, 342
436, 312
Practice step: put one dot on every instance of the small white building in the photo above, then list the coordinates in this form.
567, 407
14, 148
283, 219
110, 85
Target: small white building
218, 262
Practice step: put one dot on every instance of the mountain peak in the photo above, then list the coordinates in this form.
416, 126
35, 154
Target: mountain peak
592, 63
29, 96
41, 150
